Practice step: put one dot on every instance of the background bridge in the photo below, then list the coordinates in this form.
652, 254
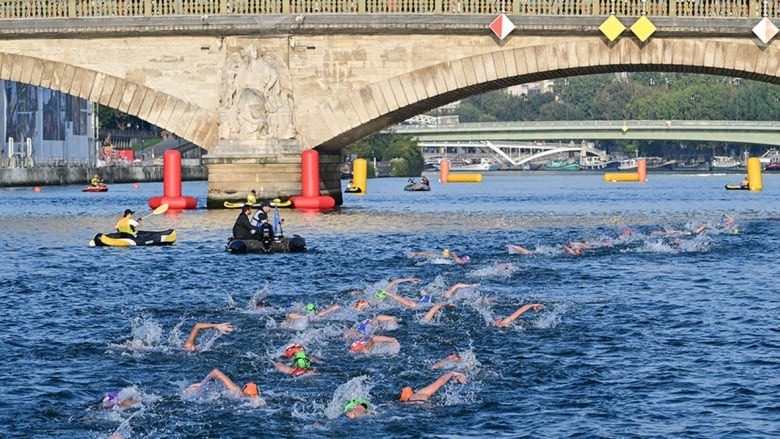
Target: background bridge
758, 132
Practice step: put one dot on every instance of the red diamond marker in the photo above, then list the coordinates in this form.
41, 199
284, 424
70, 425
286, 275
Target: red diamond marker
502, 26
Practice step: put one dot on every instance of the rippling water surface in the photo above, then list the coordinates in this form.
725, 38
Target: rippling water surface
641, 337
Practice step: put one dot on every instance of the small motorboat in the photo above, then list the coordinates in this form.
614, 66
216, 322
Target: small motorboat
736, 187
141, 238
99, 188
295, 244
353, 190
418, 186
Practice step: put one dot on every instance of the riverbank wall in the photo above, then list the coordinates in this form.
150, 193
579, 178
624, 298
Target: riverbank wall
52, 176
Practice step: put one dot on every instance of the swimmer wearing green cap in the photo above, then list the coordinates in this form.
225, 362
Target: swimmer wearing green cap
356, 408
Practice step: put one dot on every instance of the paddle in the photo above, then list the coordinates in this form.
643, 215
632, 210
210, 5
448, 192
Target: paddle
162, 209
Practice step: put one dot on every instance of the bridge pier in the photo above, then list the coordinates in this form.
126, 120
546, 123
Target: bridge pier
236, 167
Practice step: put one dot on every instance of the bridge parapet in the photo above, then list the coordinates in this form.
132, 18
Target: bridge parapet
26, 9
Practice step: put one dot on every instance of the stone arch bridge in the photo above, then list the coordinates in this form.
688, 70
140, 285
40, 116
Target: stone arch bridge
256, 90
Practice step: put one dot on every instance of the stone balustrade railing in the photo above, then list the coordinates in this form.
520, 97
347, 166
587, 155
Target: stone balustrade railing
32, 9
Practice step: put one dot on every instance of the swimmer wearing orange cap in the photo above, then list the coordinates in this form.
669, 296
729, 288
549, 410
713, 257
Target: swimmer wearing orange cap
424, 394
249, 390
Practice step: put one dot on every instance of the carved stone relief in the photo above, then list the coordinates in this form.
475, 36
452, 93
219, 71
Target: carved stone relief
256, 100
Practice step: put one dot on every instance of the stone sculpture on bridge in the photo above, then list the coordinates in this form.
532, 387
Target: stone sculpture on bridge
256, 101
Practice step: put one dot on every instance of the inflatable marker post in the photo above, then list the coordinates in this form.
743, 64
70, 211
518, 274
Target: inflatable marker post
360, 175
310, 182
172, 184
640, 175
444, 171
464, 178
754, 174
614, 177
641, 170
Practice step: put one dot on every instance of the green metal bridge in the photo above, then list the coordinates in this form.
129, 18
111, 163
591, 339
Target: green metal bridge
762, 133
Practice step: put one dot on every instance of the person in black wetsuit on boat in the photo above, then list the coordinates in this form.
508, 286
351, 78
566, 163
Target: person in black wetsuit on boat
242, 229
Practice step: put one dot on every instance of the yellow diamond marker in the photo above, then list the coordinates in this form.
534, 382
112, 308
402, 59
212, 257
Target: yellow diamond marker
612, 28
643, 28
624, 127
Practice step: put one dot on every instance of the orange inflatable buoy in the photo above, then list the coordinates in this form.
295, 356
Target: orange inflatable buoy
37, 189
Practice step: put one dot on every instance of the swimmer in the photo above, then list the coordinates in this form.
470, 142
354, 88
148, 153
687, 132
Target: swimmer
223, 328
460, 259
448, 294
402, 300
301, 363
113, 400
519, 249
507, 322
424, 394
572, 250
366, 345
381, 294
447, 362
364, 327
356, 408
435, 309
249, 390
311, 312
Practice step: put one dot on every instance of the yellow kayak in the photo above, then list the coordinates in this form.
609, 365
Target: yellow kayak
143, 237
276, 202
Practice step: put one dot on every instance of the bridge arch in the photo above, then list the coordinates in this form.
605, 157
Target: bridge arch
392, 100
176, 115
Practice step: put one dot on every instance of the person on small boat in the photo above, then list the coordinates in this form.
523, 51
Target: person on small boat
243, 229
351, 187
249, 390
410, 182
223, 328
96, 181
127, 224
261, 216
251, 198
745, 184
425, 181
424, 394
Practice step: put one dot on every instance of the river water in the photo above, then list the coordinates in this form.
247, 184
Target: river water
645, 336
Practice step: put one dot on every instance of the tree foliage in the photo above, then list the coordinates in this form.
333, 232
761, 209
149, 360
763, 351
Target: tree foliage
402, 152
634, 96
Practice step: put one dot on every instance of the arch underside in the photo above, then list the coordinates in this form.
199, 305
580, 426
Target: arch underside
171, 113
396, 99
